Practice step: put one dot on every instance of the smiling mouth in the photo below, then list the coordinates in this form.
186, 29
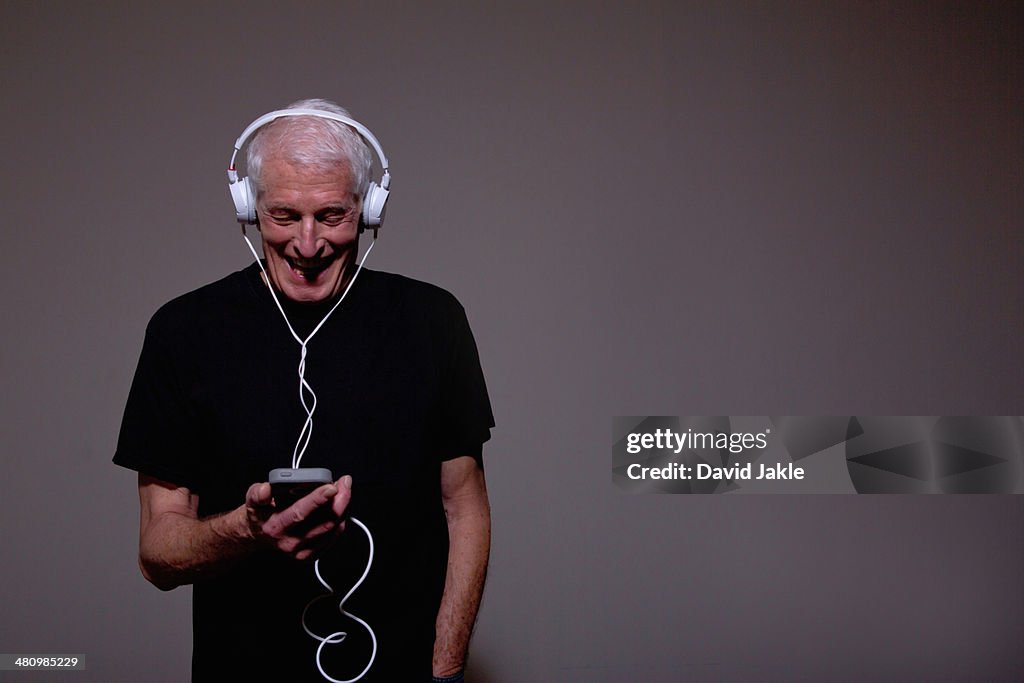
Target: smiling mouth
308, 269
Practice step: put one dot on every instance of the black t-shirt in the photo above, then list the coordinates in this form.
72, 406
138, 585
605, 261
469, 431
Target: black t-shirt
214, 406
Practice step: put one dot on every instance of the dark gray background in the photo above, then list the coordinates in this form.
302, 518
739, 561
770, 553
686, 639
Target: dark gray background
646, 208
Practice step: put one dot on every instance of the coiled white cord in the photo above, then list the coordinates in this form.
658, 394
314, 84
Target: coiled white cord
339, 636
300, 449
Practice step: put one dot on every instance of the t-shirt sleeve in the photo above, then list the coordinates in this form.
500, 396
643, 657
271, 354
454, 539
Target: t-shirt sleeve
466, 409
158, 434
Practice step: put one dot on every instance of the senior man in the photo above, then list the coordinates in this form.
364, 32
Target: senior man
401, 413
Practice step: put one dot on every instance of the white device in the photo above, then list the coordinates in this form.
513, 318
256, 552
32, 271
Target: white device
243, 193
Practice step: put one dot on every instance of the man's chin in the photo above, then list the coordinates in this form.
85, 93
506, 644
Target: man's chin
308, 293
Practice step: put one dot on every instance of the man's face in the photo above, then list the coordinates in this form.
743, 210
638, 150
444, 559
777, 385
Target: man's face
309, 221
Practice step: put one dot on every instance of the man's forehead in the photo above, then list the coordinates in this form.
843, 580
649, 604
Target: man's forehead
284, 174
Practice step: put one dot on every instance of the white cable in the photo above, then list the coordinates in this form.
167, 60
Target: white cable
304, 437
307, 428
339, 636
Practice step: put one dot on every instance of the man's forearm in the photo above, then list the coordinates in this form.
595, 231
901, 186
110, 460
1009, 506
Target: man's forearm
469, 546
176, 549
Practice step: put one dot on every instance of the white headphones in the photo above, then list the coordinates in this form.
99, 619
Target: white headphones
243, 194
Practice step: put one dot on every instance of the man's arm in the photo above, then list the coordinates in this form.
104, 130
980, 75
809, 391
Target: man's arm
464, 494
177, 548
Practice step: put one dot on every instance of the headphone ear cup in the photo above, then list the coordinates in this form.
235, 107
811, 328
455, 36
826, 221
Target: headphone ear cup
244, 198
374, 204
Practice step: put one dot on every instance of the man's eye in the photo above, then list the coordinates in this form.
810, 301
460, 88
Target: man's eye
333, 219
282, 218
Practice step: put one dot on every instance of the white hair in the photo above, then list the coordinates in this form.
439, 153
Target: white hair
311, 142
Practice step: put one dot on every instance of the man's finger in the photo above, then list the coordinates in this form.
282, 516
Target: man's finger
308, 504
258, 495
344, 495
319, 540
319, 530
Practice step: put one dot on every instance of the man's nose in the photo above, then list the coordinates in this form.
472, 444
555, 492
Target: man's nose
307, 242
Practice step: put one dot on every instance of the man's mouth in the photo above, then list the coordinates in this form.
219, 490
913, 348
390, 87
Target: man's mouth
308, 269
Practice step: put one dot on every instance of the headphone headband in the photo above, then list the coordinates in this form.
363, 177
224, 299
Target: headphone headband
243, 193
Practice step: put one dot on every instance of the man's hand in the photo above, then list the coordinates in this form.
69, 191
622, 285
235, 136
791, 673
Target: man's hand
176, 547
306, 528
